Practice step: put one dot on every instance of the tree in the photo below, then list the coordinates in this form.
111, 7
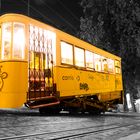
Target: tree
114, 25
127, 20
92, 24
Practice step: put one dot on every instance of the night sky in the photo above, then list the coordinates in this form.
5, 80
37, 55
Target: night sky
62, 14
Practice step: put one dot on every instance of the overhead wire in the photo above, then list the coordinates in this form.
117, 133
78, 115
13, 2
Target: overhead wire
61, 17
49, 19
66, 8
40, 13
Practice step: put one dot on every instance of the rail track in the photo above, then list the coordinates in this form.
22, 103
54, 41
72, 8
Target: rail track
72, 133
63, 126
64, 122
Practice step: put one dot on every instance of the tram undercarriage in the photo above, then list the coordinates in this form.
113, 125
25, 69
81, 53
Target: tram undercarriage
90, 104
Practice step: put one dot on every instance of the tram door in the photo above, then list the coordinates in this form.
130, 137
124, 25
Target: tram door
40, 83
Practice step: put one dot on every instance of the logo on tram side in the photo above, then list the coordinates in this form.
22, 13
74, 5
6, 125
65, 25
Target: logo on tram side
3, 75
84, 86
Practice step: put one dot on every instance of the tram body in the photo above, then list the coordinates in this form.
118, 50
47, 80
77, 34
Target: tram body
43, 67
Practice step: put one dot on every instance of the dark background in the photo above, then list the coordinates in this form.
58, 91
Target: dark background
62, 14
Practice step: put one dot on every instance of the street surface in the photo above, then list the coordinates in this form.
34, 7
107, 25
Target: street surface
25, 124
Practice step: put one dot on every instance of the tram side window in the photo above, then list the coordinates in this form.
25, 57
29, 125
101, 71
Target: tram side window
79, 57
19, 41
66, 53
6, 40
110, 66
97, 60
104, 64
89, 60
117, 67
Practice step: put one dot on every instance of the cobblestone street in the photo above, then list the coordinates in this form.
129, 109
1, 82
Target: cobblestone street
30, 125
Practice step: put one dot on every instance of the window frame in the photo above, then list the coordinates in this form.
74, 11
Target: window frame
23, 52
63, 63
84, 66
117, 67
89, 68
102, 65
100, 62
113, 70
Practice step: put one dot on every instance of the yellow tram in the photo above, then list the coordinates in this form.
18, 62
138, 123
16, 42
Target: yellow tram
43, 67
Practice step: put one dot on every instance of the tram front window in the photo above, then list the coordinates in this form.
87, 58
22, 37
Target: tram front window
13, 41
19, 41
6, 40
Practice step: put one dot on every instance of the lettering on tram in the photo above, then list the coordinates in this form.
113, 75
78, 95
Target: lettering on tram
78, 78
107, 77
3, 75
90, 77
67, 78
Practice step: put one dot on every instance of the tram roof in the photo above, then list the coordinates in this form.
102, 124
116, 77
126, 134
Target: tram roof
10, 17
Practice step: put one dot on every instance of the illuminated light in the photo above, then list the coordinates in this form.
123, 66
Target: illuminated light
128, 101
